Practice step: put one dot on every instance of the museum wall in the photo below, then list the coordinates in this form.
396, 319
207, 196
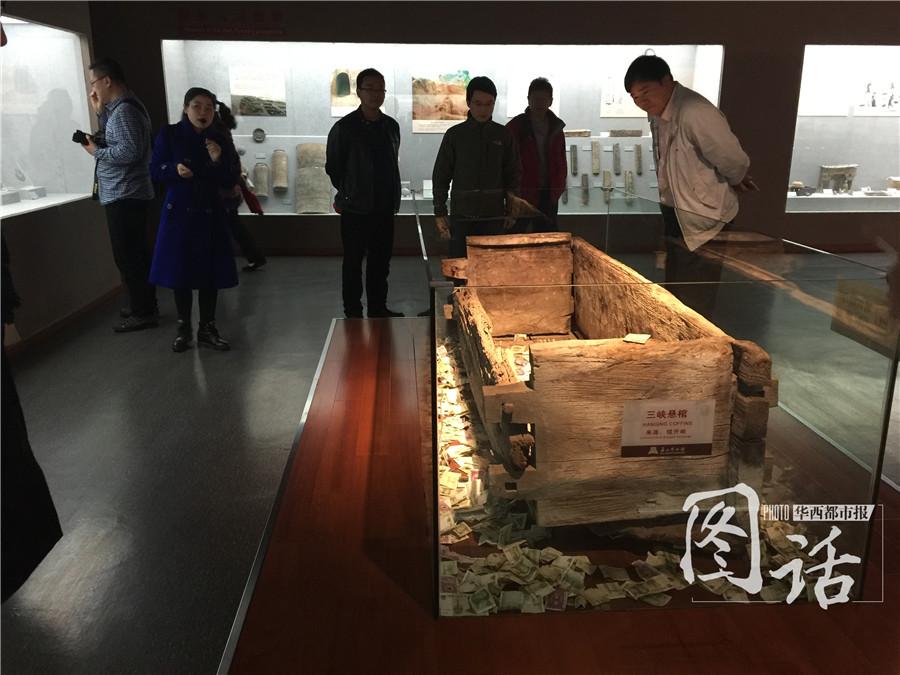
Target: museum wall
763, 52
764, 44
60, 256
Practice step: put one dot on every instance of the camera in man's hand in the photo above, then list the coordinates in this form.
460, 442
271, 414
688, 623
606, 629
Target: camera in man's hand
82, 138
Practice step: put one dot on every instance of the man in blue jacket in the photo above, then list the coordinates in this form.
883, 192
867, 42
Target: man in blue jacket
124, 186
362, 160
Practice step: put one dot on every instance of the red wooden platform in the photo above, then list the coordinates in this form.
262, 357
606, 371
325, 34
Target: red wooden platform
345, 584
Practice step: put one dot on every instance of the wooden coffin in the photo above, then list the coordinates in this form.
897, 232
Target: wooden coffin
557, 437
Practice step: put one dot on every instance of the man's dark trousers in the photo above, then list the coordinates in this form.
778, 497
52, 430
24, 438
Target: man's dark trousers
127, 221
694, 277
463, 226
366, 236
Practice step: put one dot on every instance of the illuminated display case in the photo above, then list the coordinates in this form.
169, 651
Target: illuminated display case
847, 139
290, 94
44, 100
588, 424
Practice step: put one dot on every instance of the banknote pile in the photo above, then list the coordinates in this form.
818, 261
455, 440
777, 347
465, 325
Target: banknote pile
461, 465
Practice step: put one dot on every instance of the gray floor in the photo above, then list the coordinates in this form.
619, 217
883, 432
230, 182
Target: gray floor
163, 468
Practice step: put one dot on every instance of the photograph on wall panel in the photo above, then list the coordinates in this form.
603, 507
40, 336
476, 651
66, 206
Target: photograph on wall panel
439, 101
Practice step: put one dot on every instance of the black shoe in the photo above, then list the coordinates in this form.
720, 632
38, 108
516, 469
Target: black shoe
356, 314
125, 312
384, 313
208, 336
133, 323
255, 265
183, 338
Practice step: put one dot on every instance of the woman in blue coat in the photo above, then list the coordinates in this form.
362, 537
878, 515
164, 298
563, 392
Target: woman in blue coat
196, 162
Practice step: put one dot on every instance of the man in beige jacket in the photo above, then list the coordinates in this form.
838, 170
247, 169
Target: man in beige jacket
700, 168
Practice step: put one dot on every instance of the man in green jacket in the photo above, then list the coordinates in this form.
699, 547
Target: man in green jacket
479, 157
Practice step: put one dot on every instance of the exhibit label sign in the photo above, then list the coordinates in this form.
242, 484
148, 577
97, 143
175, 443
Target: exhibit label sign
664, 428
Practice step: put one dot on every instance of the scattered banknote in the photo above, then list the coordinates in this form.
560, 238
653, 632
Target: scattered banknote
482, 602
539, 588
656, 599
614, 573
556, 601
533, 605
512, 601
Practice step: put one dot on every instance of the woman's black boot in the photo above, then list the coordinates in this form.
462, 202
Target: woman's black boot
208, 336
183, 337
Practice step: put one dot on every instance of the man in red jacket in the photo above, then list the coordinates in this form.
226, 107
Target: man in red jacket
542, 152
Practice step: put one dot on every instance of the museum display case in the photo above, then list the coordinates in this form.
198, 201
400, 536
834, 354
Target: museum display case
846, 153
287, 95
43, 100
595, 436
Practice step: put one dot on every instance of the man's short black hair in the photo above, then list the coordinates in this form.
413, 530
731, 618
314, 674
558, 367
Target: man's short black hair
482, 84
646, 69
540, 84
368, 72
106, 67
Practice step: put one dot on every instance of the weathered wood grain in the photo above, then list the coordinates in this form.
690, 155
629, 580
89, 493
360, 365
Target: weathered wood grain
530, 278
753, 366
582, 387
612, 300
750, 417
454, 268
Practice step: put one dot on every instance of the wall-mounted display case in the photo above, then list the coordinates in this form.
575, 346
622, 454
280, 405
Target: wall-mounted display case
43, 100
847, 140
287, 95
582, 412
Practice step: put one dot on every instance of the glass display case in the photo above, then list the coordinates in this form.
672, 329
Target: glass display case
599, 444
847, 140
43, 101
289, 94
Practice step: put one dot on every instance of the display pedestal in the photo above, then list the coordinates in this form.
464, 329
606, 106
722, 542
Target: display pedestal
343, 579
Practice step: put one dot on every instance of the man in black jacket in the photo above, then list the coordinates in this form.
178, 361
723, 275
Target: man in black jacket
479, 158
362, 162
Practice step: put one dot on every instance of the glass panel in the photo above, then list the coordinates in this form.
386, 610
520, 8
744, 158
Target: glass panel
847, 141
308, 86
43, 102
551, 398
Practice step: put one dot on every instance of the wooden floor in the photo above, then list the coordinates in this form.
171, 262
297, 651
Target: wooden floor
345, 586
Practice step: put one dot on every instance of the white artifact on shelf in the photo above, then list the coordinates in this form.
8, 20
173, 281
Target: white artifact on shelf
279, 171
310, 154
595, 157
33, 192
617, 158
638, 159
261, 179
607, 185
585, 190
629, 187
9, 196
313, 187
